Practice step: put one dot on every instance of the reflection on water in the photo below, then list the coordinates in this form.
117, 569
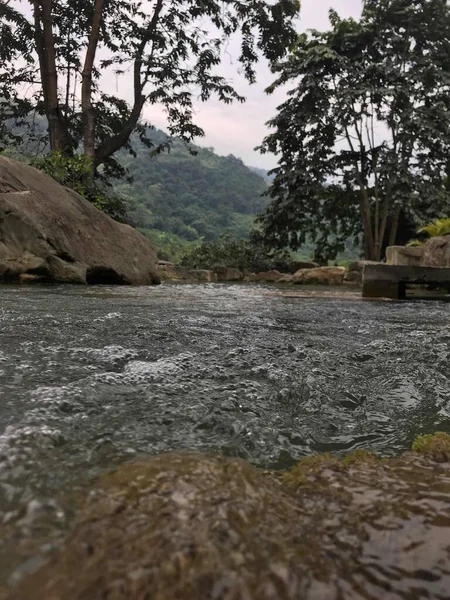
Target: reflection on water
93, 377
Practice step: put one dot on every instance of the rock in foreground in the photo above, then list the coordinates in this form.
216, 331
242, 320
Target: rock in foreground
197, 528
50, 233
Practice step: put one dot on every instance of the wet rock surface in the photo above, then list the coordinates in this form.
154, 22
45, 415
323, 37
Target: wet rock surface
93, 377
192, 527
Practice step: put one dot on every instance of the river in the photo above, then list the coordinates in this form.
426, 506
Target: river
92, 377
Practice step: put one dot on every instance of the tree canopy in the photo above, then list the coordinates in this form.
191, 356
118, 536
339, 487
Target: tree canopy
364, 135
54, 54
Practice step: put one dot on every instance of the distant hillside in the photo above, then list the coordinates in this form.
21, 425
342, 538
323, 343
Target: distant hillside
178, 197
190, 197
262, 173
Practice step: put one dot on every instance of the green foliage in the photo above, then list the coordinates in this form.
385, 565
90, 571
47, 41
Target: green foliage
245, 255
69, 171
173, 51
436, 228
364, 135
437, 444
73, 172
169, 246
190, 196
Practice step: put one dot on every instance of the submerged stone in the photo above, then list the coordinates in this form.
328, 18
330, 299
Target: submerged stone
195, 527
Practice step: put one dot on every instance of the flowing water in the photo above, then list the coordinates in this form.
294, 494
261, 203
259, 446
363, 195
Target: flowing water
92, 377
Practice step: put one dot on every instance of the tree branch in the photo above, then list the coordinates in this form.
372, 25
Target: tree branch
114, 143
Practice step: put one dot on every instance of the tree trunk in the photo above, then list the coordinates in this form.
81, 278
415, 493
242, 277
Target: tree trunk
60, 139
383, 225
394, 225
86, 88
366, 218
51, 78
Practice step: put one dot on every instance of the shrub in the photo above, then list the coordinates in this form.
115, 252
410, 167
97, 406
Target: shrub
245, 255
435, 228
73, 172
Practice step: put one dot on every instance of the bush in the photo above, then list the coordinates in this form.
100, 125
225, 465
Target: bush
245, 255
435, 228
72, 172
169, 246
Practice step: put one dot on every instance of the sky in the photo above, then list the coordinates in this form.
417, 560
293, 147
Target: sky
239, 128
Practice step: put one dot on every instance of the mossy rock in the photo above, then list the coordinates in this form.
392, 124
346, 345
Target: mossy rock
436, 446
193, 527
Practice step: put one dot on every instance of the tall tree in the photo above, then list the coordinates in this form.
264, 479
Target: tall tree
172, 49
365, 132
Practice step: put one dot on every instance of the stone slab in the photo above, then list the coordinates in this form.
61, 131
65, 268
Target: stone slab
404, 255
389, 281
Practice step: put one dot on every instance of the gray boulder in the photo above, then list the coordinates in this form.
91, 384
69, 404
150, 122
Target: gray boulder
50, 233
436, 252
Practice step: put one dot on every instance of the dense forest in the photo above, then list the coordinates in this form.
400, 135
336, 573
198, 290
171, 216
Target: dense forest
189, 193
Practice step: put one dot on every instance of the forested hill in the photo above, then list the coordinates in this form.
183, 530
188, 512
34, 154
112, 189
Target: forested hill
190, 196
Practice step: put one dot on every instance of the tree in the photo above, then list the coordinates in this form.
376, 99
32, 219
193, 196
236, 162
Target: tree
172, 49
364, 135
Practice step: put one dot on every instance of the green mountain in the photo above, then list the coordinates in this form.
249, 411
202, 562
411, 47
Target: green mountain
184, 196
262, 173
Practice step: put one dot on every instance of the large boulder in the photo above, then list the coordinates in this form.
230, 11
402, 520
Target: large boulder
436, 252
50, 233
319, 276
199, 528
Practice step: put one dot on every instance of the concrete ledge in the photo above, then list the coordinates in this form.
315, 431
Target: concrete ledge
389, 281
404, 255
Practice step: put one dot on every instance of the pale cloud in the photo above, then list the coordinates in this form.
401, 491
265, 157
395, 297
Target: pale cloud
237, 129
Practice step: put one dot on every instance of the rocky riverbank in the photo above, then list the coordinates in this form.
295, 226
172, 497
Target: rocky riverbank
221, 274
197, 527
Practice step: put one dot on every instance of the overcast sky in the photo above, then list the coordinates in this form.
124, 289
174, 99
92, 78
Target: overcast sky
238, 128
